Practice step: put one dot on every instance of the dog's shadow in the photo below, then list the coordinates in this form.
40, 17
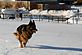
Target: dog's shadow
55, 48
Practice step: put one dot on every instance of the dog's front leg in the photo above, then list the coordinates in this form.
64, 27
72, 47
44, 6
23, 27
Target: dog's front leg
24, 43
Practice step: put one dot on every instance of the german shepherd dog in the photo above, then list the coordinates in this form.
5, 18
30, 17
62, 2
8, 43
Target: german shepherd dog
24, 33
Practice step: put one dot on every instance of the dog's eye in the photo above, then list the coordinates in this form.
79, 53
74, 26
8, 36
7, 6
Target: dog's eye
30, 28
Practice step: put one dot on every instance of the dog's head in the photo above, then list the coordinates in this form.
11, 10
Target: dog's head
32, 26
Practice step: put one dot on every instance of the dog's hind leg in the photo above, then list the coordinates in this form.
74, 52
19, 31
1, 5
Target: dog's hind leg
19, 38
21, 45
20, 42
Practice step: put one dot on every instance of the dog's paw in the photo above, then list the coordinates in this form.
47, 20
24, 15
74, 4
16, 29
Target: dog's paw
20, 46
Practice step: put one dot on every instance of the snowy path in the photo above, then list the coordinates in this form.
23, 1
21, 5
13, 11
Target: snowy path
52, 38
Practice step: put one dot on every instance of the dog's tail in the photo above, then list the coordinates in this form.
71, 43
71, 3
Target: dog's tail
15, 33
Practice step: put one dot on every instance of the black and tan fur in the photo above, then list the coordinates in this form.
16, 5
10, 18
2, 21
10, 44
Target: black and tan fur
24, 33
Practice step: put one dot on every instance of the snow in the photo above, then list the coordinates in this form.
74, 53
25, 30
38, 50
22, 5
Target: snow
51, 38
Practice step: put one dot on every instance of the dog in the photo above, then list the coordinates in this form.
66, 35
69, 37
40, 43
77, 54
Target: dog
24, 32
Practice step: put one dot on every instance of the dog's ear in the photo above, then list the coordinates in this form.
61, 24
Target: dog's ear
30, 22
33, 21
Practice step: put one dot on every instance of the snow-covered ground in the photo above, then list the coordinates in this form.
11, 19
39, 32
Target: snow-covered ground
51, 39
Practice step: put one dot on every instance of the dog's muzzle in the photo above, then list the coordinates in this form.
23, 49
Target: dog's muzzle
35, 30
